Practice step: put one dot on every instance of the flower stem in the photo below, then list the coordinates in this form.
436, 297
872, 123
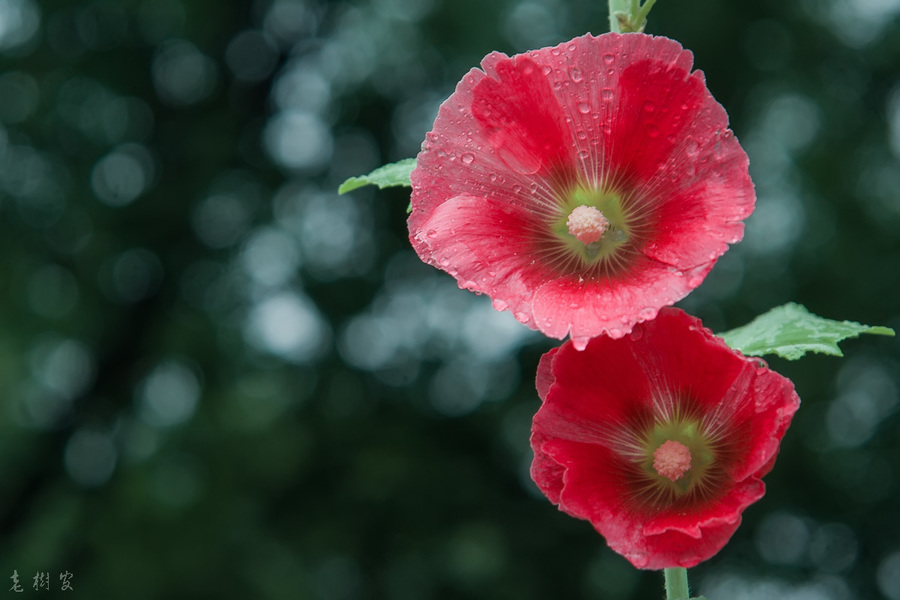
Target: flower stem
628, 15
676, 584
617, 7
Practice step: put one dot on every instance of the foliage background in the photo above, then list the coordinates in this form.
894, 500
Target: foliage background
221, 380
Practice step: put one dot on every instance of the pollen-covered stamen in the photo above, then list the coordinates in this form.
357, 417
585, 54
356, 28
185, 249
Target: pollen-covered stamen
587, 224
672, 460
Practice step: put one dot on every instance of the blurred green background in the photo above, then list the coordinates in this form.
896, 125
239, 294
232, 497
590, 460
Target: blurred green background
219, 379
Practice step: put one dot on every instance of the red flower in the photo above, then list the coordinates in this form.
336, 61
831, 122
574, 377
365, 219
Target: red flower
582, 187
659, 439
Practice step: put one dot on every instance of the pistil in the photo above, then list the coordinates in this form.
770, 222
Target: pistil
672, 460
587, 224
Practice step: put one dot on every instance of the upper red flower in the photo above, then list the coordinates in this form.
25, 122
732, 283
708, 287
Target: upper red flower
659, 438
582, 187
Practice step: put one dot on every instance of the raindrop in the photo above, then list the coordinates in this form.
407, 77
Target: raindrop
606, 94
583, 154
584, 108
649, 106
575, 74
691, 146
609, 58
500, 305
467, 158
581, 134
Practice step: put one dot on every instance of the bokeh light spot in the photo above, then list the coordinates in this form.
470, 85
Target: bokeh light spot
169, 395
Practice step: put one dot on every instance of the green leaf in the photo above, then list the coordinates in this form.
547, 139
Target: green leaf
790, 331
391, 175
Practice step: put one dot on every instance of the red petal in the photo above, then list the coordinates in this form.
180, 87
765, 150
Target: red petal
613, 306
484, 244
544, 378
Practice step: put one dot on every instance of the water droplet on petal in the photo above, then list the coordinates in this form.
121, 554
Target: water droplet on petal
575, 74
606, 94
649, 106
467, 158
583, 154
584, 108
431, 233
580, 342
609, 58
691, 147
500, 305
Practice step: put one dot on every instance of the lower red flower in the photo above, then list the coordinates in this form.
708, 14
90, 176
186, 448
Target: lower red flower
659, 438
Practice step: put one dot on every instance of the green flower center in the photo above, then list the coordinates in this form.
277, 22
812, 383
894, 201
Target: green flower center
678, 461
588, 248
595, 231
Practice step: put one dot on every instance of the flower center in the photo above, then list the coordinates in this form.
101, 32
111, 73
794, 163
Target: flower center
672, 460
587, 224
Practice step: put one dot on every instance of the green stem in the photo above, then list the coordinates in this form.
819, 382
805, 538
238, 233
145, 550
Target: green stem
676, 584
617, 6
645, 11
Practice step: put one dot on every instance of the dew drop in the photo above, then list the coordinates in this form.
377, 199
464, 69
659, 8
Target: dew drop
445, 261
467, 158
500, 305
609, 58
580, 342
615, 333
546, 69
521, 317
575, 74
583, 154
581, 134
691, 147
573, 305
584, 108
606, 94
649, 106
493, 177
431, 233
